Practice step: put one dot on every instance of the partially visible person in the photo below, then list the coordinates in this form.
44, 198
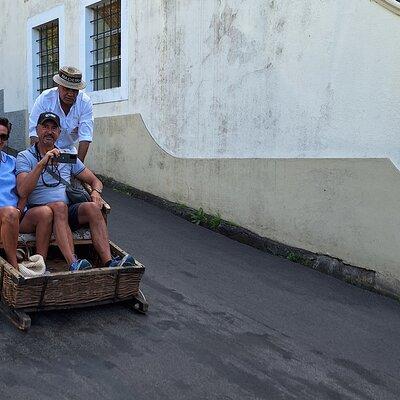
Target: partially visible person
37, 220
42, 187
73, 107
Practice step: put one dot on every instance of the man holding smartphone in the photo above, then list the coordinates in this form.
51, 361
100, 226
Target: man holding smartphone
73, 107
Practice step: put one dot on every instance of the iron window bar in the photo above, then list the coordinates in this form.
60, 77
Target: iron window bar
106, 52
48, 54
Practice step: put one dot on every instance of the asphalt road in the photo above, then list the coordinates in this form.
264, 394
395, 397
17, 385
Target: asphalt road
226, 321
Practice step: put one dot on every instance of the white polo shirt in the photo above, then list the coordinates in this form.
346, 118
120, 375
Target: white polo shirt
77, 126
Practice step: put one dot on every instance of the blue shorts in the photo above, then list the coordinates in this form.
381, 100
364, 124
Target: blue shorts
73, 219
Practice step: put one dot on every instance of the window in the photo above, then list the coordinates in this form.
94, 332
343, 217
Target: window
106, 52
45, 50
47, 55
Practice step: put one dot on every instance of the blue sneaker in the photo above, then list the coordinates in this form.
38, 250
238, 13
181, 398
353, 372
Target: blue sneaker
80, 265
126, 261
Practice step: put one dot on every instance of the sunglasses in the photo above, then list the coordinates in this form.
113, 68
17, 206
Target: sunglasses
4, 138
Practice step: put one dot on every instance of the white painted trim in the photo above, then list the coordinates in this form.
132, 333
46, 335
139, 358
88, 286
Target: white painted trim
108, 95
32, 23
391, 5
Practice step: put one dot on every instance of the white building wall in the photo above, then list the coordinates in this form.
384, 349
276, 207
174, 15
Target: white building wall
284, 78
229, 78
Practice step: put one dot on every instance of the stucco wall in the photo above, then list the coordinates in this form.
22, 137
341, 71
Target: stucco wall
19, 119
232, 78
270, 78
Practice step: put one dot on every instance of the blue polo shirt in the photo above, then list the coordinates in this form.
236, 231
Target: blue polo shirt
8, 193
42, 194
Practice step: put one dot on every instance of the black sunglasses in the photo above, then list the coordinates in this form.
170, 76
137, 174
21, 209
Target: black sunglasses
4, 137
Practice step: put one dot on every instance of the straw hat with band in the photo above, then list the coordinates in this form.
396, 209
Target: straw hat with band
70, 77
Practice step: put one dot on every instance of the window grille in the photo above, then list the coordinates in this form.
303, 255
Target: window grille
106, 67
48, 54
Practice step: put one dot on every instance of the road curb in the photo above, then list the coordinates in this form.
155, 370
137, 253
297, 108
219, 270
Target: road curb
383, 284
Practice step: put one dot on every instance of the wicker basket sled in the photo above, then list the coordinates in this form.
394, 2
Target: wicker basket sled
62, 289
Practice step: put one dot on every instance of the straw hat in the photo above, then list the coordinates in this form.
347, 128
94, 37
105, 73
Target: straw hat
70, 77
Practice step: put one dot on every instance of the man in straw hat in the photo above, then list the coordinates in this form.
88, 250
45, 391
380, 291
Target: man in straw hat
73, 107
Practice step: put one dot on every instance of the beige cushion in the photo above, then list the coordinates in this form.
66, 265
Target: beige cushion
80, 234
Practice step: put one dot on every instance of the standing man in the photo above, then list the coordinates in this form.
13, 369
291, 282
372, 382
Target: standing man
73, 107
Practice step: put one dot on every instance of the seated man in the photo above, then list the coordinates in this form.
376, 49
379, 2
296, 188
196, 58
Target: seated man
37, 170
39, 220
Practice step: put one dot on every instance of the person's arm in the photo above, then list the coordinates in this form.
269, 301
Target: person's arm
87, 176
85, 127
83, 149
21, 206
27, 181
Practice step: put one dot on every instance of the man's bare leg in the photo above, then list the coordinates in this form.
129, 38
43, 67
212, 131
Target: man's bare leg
9, 225
39, 220
62, 231
89, 213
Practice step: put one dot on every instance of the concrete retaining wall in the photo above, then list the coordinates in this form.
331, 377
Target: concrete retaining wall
345, 208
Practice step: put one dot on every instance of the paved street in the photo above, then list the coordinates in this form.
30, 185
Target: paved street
226, 321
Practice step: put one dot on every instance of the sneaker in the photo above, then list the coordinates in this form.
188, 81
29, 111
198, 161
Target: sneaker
126, 261
80, 265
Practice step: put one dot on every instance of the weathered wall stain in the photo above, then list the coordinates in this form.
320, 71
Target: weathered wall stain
222, 24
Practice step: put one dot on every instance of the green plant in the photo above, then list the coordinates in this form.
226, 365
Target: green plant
215, 221
198, 217
294, 257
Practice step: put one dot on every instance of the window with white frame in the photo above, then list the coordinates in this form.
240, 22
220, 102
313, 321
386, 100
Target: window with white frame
45, 50
104, 54
106, 51
47, 56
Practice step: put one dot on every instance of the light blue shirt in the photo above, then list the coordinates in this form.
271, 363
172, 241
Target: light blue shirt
42, 194
8, 193
76, 126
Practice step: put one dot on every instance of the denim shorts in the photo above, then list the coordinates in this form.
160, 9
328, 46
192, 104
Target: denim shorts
73, 219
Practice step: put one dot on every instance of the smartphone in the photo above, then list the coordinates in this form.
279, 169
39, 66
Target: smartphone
66, 158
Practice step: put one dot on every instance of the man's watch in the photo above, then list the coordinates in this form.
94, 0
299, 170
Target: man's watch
99, 191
